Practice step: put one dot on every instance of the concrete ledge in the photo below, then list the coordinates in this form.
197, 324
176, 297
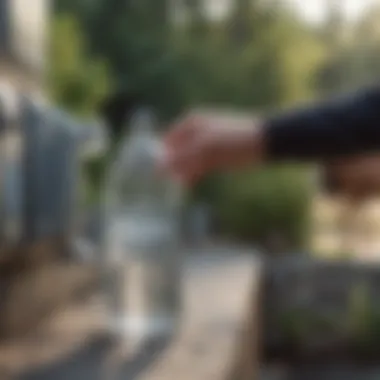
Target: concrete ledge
36, 282
217, 338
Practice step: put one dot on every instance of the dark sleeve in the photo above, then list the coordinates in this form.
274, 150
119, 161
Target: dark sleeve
349, 125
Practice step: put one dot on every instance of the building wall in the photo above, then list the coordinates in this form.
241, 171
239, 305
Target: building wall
23, 34
29, 31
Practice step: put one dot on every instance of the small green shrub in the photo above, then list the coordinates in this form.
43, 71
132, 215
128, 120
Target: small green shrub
363, 319
297, 326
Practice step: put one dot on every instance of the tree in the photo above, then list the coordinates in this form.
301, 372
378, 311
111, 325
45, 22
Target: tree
76, 82
256, 65
241, 22
132, 37
197, 18
353, 61
266, 73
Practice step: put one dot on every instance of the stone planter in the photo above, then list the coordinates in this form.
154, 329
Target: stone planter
322, 310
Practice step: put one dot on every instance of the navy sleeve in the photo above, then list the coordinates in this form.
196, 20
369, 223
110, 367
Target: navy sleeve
349, 125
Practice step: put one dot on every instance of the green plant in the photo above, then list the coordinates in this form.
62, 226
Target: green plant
257, 205
77, 82
299, 327
363, 319
292, 326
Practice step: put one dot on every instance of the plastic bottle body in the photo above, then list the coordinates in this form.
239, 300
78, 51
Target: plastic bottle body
143, 264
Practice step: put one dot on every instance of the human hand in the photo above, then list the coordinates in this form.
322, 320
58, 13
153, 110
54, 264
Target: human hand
207, 141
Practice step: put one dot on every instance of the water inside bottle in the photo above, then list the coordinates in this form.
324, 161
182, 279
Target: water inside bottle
144, 277
143, 260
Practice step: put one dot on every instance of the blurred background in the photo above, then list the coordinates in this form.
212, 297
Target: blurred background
316, 228
246, 55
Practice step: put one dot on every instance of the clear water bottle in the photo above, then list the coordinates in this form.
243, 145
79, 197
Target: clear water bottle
142, 255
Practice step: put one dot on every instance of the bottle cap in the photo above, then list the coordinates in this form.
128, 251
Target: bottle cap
143, 120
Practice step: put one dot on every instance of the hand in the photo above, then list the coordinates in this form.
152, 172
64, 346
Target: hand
205, 141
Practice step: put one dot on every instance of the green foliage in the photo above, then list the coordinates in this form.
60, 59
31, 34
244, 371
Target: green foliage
76, 82
132, 36
359, 310
257, 205
353, 58
299, 326
264, 72
363, 318
277, 75
294, 326
358, 328
258, 58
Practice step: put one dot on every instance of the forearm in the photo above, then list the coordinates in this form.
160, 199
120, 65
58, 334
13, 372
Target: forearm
349, 125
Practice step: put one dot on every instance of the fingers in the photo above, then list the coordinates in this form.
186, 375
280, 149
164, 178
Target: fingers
184, 150
187, 161
182, 132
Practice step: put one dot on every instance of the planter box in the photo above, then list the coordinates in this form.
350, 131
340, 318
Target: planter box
321, 309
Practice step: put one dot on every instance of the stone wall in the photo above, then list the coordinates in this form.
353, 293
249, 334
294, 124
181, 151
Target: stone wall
315, 304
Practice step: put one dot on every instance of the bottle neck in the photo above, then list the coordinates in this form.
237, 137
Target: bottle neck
143, 123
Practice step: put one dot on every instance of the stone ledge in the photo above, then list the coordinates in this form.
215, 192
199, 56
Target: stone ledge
217, 338
35, 283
